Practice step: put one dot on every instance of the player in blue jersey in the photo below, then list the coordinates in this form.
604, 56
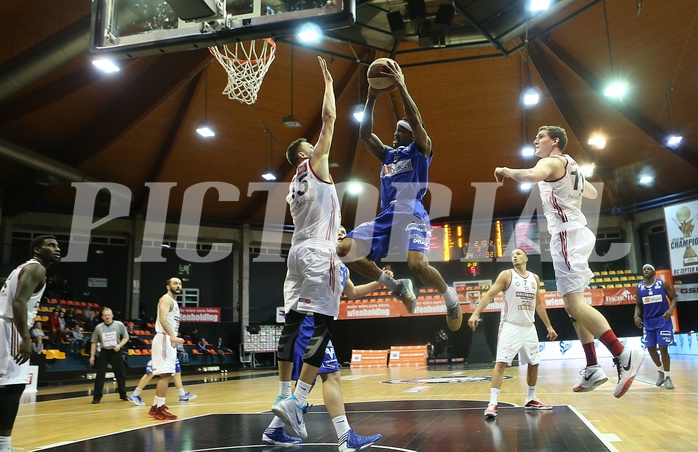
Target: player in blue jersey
274, 434
655, 304
403, 221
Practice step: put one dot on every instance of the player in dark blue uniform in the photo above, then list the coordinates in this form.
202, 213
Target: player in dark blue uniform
656, 301
403, 222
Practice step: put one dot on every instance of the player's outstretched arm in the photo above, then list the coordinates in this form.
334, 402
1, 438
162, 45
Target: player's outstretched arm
320, 158
502, 282
373, 144
546, 168
414, 117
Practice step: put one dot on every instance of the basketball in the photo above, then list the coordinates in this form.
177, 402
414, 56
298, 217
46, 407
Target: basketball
376, 75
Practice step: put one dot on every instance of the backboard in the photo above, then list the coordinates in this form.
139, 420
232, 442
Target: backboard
130, 28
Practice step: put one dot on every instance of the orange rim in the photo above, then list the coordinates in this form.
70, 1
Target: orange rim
269, 41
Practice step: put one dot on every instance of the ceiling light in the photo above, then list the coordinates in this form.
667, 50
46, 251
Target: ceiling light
598, 141
205, 131
528, 151
309, 33
531, 96
359, 113
539, 5
646, 180
355, 188
616, 89
268, 175
588, 170
106, 65
291, 122
525, 186
673, 140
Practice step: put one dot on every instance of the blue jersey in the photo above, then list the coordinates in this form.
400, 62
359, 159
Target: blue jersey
654, 304
404, 177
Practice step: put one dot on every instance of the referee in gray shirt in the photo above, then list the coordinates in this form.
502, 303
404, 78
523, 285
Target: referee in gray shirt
112, 335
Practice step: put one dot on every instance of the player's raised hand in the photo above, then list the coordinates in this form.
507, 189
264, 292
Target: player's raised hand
325, 71
499, 174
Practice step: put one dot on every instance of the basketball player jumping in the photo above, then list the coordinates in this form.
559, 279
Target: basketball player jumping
404, 177
562, 186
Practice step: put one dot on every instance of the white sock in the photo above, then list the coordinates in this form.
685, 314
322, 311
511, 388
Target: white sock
5, 442
159, 401
531, 393
660, 369
494, 395
388, 282
137, 391
666, 374
181, 392
450, 297
341, 425
276, 423
302, 391
285, 389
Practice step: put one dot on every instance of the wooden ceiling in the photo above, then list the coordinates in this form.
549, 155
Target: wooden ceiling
62, 122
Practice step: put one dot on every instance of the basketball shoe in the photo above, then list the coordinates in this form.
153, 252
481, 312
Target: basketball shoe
591, 378
350, 441
278, 437
136, 399
162, 414
668, 384
153, 409
292, 414
628, 364
187, 397
535, 404
660, 379
491, 411
405, 294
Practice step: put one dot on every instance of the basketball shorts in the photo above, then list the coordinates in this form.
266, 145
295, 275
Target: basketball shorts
149, 367
329, 362
570, 250
164, 355
394, 232
517, 339
10, 372
659, 336
313, 280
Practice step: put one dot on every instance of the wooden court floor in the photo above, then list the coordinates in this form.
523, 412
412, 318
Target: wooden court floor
416, 409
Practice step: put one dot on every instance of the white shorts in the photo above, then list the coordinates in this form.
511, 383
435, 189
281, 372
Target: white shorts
570, 250
164, 357
313, 280
10, 372
513, 339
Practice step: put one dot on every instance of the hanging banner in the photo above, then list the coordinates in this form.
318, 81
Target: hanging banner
682, 236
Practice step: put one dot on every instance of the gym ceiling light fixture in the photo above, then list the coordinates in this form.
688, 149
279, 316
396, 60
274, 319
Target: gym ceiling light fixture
290, 121
204, 129
617, 88
268, 174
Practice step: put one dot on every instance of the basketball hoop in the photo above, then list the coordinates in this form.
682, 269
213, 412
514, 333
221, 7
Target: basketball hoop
246, 64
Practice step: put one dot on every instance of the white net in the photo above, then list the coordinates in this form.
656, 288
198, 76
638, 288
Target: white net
246, 64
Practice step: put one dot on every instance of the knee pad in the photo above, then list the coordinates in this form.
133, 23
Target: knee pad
315, 351
289, 334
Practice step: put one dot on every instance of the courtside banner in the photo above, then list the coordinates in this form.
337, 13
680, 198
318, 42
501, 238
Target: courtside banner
593, 297
621, 295
200, 315
686, 292
365, 309
408, 356
366, 359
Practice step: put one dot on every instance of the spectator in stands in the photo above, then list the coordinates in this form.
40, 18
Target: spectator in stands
144, 319
87, 315
201, 348
54, 327
70, 320
221, 349
66, 290
78, 340
182, 354
133, 340
37, 331
91, 324
52, 290
194, 336
38, 358
441, 349
112, 336
61, 321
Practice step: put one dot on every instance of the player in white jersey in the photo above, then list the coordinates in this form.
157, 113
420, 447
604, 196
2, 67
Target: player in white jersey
517, 329
313, 283
19, 299
562, 187
164, 351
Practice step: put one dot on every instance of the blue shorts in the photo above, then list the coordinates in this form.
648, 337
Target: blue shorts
149, 367
661, 336
329, 363
395, 231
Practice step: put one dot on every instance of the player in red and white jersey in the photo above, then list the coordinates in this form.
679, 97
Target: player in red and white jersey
19, 299
517, 330
562, 187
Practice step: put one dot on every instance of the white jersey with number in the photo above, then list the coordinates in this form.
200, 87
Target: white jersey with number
173, 318
520, 299
314, 207
562, 198
10, 338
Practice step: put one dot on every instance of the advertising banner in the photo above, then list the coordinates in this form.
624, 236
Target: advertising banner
683, 237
